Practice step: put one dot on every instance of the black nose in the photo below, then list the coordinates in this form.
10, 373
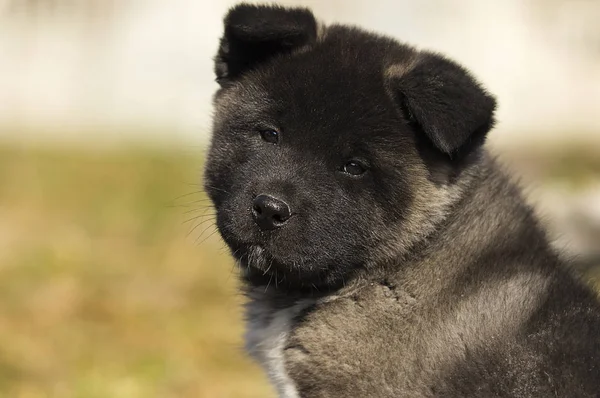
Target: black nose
269, 212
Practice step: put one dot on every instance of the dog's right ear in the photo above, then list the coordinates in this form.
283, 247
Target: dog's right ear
254, 34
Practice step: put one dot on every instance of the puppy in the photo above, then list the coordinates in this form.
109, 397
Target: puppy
383, 252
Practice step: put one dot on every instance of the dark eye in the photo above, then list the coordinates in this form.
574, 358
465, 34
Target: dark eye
270, 136
354, 168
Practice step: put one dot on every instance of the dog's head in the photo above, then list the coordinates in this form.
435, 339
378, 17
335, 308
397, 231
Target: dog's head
333, 148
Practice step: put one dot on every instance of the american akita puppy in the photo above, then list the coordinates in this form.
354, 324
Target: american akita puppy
383, 252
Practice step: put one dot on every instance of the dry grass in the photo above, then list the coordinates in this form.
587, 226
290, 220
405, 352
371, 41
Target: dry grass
102, 294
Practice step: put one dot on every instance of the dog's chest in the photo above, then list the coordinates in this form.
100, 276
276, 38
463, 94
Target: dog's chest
267, 333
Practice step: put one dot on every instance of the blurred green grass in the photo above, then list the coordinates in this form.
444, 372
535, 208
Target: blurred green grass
109, 285
104, 292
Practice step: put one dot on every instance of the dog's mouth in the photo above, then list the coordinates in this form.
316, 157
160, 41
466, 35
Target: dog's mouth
251, 255
257, 257
260, 267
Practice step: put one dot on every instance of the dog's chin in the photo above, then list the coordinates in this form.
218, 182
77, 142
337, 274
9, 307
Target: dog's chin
259, 267
257, 257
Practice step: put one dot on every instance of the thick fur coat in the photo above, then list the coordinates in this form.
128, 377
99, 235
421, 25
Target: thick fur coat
383, 251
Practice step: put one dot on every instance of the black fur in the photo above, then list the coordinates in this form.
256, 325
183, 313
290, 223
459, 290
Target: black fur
254, 34
445, 102
427, 275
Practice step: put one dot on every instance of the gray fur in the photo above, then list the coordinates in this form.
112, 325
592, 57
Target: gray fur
425, 275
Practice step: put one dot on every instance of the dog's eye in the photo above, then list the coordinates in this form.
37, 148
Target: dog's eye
270, 136
354, 168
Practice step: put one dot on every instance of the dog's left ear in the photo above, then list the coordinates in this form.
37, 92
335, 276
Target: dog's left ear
443, 101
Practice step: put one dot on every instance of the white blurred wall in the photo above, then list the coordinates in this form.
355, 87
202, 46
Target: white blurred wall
72, 68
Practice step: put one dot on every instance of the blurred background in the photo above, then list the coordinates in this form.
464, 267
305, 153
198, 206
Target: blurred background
113, 282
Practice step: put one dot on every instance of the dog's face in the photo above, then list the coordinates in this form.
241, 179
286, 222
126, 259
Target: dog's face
330, 152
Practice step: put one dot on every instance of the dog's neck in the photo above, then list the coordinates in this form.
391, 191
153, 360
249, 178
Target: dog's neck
490, 220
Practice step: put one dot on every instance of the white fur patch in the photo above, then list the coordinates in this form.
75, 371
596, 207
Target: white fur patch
266, 337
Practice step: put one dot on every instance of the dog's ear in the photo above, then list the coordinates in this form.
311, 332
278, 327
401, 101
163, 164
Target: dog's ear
253, 34
443, 101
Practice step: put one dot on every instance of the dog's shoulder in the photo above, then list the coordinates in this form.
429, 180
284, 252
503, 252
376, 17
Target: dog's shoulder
354, 343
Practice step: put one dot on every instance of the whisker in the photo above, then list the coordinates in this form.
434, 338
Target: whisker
269, 283
204, 230
218, 189
211, 234
188, 194
231, 270
174, 201
204, 207
189, 205
247, 261
268, 268
197, 225
199, 216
